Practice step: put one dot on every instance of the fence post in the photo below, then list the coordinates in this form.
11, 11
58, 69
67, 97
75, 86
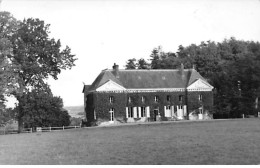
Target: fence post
31, 130
75, 126
63, 127
50, 129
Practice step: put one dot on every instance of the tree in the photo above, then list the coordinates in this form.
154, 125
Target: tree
231, 66
36, 56
41, 109
8, 26
131, 64
142, 64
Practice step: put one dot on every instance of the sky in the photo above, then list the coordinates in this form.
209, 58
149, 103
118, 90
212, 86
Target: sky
103, 32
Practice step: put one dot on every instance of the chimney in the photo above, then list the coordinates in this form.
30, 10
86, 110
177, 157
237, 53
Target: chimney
116, 70
182, 71
194, 66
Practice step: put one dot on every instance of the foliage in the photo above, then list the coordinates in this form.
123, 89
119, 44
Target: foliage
231, 66
100, 103
29, 57
140, 64
8, 26
131, 64
75, 121
41, 109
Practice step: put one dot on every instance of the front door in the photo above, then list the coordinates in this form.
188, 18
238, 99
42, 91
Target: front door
111, 112
156, 113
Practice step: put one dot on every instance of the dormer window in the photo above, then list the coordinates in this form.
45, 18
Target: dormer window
156, 99
111, 99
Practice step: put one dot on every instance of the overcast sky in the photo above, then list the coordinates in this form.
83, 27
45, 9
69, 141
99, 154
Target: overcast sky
103, 32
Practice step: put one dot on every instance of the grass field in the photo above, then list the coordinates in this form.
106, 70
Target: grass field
205, 142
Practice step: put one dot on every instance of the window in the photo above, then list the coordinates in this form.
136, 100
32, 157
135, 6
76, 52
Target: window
111, 111
130, 112
201, 110
143, 99
200, 97
168, 98
180, 97
168, 107
180, 107
111, 99
156, 98
142, 111
129, 100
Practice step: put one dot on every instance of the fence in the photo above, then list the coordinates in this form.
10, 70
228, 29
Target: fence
4, 130
49, 129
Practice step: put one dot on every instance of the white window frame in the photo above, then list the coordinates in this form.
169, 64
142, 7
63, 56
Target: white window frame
130, 112
143, 111
111, 99
200, 97
143, 99
129, 99
112, 115
156, 99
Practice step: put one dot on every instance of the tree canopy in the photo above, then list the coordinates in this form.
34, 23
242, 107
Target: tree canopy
29, 57
42, 109
231, 66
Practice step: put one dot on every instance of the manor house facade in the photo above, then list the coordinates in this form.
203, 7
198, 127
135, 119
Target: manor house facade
121, 96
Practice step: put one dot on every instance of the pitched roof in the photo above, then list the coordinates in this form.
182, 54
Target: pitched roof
85, 87
145, 79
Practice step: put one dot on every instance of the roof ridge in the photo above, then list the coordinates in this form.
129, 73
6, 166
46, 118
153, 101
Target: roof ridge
149, 69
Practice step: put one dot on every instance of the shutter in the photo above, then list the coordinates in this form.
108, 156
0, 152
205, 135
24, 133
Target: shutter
135, 112
172, 111
147, 111
177, 111
126, 110
185, 110
139, 112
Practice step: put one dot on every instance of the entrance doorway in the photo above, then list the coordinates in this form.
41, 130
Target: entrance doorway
156, 113
111, 111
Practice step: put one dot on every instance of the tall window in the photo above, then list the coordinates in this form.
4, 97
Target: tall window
142, 111
200, 97
111, 111
143, 99
111, 99
129, 100
168, 98
201, 110
156, 99
130, 112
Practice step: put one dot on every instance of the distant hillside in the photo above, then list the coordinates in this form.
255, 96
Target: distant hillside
75, 111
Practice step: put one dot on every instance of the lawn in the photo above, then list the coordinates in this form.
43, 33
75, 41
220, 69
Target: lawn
204, 142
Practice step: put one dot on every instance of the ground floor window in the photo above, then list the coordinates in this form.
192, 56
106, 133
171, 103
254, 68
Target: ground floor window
130, 112
143, 112
111, 111
200, 110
